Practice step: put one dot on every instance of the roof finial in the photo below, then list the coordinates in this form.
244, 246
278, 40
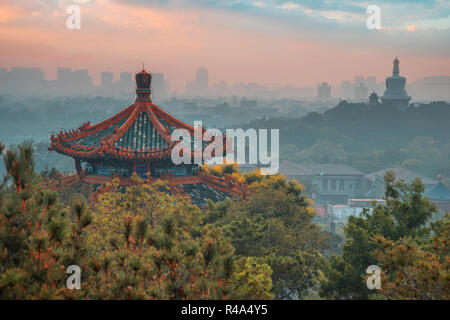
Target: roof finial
396, 69
143, 67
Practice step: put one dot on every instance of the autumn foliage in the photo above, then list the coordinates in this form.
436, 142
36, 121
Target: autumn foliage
137, 243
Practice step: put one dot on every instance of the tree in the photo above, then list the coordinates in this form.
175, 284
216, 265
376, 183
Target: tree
38, 240
405, 214
274, 225
157, 247
323, 151
417, 270
138, 242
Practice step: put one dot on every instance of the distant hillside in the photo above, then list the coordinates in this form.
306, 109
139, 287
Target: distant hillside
369, 139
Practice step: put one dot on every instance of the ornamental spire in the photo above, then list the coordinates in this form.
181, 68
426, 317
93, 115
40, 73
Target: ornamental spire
143, 84
396, 69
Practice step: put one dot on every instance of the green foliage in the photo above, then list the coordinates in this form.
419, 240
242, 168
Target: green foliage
274, 225
323, 151
137, 243
415, 270
368, 139
252, 280
159, 246
35, 239
405, 214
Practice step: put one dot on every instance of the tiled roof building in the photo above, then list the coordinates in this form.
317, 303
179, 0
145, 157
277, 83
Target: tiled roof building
138, 140
332, 183
377, 184
440, 195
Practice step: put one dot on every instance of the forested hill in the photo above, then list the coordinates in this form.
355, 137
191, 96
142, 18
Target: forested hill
369, 138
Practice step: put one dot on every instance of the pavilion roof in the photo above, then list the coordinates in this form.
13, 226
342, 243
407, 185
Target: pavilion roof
438, 192
141, 131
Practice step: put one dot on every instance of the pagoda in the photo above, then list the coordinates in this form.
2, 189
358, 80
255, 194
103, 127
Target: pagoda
137, 141
395, 93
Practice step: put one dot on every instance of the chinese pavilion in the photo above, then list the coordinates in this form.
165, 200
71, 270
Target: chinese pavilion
137, 140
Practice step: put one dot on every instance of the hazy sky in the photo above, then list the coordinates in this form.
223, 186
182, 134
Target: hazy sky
266, 41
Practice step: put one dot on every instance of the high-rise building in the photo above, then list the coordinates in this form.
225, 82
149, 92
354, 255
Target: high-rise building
64, 75
158, 86
371, 83
347, 90
324, 92
358, 80
107, 79
361, 92
81, 81
167, 87
125, 82
202, 81
125, 77
191, 88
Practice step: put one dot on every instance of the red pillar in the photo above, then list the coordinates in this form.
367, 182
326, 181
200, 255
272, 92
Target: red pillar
78, 166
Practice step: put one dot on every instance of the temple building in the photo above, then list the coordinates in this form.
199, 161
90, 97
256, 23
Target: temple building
395, 93
137, 140
440, 195
373, 99
327, 183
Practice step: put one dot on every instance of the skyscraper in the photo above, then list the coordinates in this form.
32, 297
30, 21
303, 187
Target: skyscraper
371, 83
361, 91
125, 77
81, 81
358, 80
158, 86
324, 92
201, 81
125, 82
347, 90
107, 79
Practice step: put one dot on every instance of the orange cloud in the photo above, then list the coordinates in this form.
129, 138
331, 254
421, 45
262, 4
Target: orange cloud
411, 27
9, 13
118, 37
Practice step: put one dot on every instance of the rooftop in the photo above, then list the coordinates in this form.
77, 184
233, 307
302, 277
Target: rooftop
141, 131
401, 173
438, 192
292, 169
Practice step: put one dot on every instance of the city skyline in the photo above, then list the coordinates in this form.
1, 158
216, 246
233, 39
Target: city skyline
240, 41
73, 82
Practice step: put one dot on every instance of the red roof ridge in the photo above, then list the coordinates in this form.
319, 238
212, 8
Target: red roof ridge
172, 120
86, 129
159, 127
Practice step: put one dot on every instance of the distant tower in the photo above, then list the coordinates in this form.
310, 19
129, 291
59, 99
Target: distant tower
201, 81
347, 90
395, 93
324, 92
107, 79
361, 91
158, 87
125, 82
358, 80
373, 98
